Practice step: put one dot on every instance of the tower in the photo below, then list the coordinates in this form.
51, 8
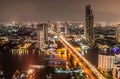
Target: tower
57, 27
46, 32
66, 28
88, 29
42, 34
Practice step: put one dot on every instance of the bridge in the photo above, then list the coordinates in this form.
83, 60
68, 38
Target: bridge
89, 69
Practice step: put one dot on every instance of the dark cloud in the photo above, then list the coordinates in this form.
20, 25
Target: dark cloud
64, 10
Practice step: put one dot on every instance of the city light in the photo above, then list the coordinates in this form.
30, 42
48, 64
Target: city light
30, 71
60, 39
115, 50
94, 70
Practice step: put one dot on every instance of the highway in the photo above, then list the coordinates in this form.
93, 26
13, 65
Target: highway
89, 69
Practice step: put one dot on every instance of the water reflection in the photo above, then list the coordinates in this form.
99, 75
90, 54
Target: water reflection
17, 60
19, 52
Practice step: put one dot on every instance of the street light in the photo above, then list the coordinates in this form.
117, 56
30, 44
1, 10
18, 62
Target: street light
30, 71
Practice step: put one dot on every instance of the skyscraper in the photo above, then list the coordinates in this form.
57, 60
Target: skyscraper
66, 28
58, 27
46, 32
88, 29
42, 34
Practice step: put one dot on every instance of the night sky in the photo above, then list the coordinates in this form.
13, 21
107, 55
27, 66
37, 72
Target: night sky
60, 10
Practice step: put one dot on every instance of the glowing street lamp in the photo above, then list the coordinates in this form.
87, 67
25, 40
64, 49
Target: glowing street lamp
30, 71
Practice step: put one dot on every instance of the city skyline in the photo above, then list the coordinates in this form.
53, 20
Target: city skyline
59, 39
58, 10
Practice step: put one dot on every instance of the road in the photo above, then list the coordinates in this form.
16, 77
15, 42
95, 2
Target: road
89, 69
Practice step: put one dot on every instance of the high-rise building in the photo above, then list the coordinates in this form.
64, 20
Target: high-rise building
45, 32
61, 27
52, 26
66, 28
57, 27
88, 29
58, 24
42, 34
118, 33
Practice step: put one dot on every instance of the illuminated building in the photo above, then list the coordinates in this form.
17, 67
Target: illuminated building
118, 33
58, 24
55, 27
42, 34
61, 28
66, 28
117, 58
88, 29
106, 61
45, 32
116, 71
52, 26
21, 49
108, 55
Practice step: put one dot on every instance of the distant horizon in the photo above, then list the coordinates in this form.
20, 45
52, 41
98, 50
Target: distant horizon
63, 10
59, 21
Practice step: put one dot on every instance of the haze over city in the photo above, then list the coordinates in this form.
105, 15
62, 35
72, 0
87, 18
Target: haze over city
60, 10
59, 39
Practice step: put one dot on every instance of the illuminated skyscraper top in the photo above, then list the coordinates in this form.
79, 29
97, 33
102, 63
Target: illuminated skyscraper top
88, 29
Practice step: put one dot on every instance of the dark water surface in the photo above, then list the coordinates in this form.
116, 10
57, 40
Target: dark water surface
12, 62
